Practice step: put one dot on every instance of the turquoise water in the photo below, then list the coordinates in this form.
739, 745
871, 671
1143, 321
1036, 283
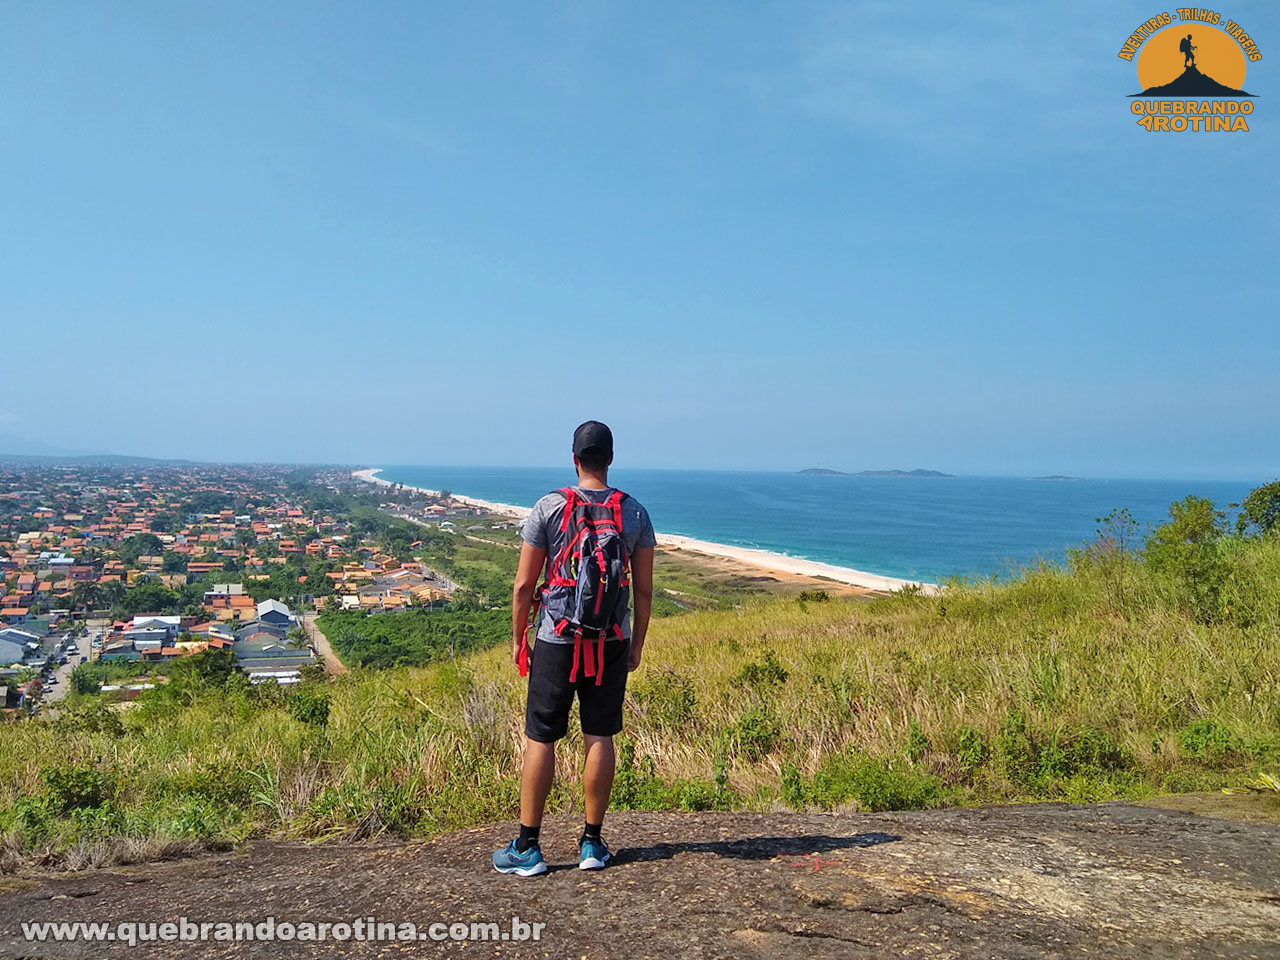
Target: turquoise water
914, 528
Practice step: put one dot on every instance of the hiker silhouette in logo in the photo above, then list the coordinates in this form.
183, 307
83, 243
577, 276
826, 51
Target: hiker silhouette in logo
1188, 51
577, 636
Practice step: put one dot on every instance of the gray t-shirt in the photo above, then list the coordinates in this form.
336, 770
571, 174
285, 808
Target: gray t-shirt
542, 529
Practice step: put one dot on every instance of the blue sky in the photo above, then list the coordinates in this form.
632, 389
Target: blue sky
749, 235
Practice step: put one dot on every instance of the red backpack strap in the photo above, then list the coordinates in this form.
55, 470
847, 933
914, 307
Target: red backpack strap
577, 655
570, 501
522, 662
615, 503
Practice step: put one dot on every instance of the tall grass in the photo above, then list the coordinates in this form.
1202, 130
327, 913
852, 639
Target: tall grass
1100, 679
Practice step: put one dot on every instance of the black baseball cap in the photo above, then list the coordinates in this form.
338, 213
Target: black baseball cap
593, 435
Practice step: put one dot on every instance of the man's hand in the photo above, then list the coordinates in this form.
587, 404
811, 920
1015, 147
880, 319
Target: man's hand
633, 655
531, 562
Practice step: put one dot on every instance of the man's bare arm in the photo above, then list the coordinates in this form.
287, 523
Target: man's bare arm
642, 598
531, 561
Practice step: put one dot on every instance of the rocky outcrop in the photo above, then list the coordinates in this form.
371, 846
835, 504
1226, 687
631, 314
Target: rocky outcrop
1010, 882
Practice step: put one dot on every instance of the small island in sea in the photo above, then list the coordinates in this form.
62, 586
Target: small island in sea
823, 472
1056, 476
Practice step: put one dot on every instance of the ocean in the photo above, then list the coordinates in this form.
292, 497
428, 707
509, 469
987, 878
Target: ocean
917, 529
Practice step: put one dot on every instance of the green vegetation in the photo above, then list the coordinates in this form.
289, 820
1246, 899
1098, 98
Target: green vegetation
413, 637
483, 561
1130, 671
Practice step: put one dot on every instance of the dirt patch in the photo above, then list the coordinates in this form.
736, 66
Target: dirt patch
1009, 882
1254, 806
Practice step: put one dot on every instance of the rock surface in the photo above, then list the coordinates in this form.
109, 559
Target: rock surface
1000, 882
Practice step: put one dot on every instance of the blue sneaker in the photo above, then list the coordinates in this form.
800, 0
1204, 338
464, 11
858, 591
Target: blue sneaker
593, 853
527, 864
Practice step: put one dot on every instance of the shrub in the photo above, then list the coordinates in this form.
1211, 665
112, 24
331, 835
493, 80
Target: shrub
636, 786
756, 734
1208, 741
94, 717
308, 704
917, 742
228, 783
1038, 761
971, 748
769, 672
75, 788
813, 596
873, 784
668, 699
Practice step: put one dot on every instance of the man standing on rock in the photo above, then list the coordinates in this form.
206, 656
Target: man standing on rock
596, 544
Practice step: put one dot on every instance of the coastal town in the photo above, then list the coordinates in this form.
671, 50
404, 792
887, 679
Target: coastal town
112, 573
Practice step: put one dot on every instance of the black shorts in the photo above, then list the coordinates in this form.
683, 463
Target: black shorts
546, 713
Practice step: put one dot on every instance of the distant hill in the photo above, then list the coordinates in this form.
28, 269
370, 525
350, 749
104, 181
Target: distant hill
1056, 476
1192, 83
15, 449
822, 472
13, 446
92, 460
930, 474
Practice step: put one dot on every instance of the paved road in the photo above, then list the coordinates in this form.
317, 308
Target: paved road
332, 665
54, 693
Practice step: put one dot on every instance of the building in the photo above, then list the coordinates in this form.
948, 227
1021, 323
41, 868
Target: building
12, 652
14, 615
265, 657
273, 611
150, 634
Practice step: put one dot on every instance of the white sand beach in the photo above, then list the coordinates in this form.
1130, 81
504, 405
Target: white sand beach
506, 509
762, 559
780, 563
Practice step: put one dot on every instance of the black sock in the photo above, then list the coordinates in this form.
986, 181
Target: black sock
528, 838
591, 831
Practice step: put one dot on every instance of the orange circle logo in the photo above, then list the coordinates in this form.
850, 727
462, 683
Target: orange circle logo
1191, 61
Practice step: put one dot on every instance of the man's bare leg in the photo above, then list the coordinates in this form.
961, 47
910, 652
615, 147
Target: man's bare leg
597, 777
535, 780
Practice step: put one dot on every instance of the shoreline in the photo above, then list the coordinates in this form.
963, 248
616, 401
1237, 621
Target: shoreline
751, 556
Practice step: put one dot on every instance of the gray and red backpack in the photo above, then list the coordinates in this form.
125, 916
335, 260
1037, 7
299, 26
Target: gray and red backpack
588, 584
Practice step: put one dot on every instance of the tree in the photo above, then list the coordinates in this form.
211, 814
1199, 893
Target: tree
148, 596
83, 680
1260, 510
1186, 552
142, 545
193, 675
85, 595
113, 592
